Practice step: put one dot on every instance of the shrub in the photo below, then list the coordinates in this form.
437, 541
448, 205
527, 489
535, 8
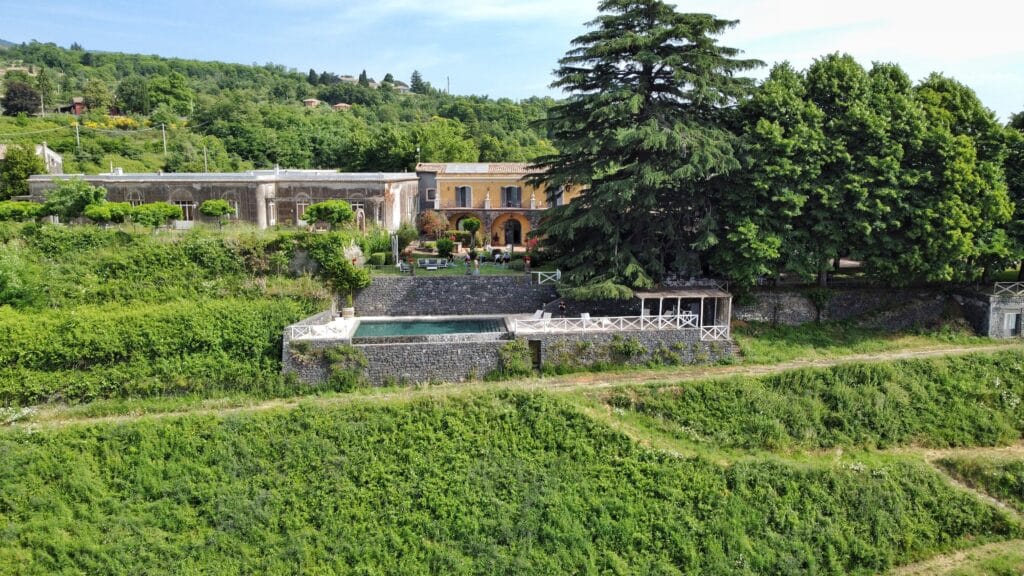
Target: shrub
347, 365
406, 234
622, 350
12, 210
88, 336
156, 214
219, 209
445, 248
333, 212
378, 259
105, 212
515, 359
70, 197
431, 223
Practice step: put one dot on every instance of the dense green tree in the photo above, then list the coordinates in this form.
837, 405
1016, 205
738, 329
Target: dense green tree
416, 83
133, 95
972, 176
445, 140
312, 77
15, 168
19, 98
46, 86
782, 154
642, 134
364, 81
97, 96
68, 199
1013, 168
173, 90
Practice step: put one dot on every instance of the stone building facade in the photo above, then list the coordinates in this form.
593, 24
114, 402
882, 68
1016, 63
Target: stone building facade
262, 197
498, 194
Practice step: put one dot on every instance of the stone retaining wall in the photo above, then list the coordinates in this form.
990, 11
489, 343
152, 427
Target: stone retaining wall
902, 308
666, 346
451, 296
429, 362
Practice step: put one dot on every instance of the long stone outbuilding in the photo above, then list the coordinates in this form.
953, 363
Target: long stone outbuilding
262, 197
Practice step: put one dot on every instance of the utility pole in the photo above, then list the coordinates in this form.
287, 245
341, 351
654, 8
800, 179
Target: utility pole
78, 140
206, 167
163, 129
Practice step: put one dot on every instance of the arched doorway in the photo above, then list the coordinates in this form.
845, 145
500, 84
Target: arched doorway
513, 232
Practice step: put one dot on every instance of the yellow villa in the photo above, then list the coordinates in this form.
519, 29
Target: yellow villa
495, 193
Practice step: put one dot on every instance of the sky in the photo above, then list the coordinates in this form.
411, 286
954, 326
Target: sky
509, 48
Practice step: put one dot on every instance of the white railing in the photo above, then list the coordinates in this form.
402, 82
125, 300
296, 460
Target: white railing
315, 332
713, 333
547, 277
614, 323
1009, 289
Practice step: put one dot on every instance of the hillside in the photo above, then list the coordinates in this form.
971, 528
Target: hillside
146, 427
5, 43
252, 116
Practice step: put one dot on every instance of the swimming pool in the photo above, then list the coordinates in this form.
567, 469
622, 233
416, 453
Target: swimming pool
399, 328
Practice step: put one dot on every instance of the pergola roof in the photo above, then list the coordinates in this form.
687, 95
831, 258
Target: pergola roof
675, 293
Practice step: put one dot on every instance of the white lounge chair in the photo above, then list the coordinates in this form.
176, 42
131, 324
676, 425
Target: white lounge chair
538, 315
585, 317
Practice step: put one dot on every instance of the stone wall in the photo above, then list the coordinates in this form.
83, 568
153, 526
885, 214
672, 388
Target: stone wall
579, 349
451, 296
901, 309
428, 362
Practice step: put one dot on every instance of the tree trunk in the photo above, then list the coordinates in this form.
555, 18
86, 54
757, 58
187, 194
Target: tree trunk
823, 278
1020, 272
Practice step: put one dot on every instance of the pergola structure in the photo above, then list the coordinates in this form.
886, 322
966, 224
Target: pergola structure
712, 306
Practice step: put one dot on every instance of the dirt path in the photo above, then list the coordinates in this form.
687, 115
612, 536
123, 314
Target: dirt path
948, 562
57, 416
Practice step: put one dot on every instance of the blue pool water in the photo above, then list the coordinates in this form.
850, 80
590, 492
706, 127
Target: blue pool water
384, 328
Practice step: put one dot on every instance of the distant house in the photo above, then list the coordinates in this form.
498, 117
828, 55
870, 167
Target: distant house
76, 107
340, 106
349, 79
54, 162
312, 102
401, 87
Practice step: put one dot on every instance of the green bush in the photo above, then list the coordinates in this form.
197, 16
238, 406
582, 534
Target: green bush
347, 367
86, 336
515, 359
511, 484
1002, 479
377, 259
445, 248
13, 210
957, 401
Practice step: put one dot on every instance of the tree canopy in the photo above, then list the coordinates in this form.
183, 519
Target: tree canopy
642, 133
